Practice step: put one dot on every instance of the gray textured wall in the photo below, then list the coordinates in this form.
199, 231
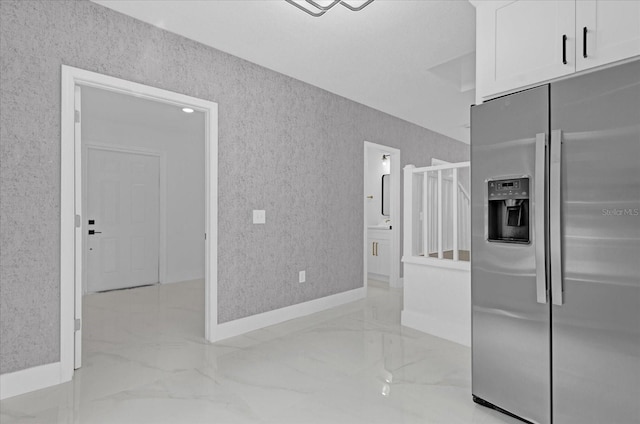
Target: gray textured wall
285, 146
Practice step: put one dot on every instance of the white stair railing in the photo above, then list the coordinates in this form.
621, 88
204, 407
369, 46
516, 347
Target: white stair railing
437, 210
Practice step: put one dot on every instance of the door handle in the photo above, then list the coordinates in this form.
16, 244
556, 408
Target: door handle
564, 49
555, 217
539, 212
92, 232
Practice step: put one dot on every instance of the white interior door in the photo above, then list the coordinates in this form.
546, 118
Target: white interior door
122, 219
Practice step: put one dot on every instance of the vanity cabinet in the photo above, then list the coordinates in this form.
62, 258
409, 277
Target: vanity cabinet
379, 258
521, 43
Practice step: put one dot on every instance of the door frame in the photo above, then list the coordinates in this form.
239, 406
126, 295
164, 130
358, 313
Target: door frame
71, 221
394, 275
162, 204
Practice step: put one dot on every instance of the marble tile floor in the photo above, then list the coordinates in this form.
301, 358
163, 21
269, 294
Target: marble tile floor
145, 361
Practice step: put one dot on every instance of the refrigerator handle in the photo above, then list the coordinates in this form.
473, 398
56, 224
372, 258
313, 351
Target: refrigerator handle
539, 211
555, 217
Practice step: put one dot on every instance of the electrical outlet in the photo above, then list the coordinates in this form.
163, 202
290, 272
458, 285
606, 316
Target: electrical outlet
302, 276
259, 217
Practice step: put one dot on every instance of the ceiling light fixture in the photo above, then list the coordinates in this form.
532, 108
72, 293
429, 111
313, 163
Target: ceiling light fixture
187, 110
317, 8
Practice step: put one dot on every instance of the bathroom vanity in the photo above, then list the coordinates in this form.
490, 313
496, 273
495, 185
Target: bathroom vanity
379, 258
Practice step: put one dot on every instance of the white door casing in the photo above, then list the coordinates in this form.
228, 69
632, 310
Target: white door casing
78, 289
123, 210
73, 224
396, 218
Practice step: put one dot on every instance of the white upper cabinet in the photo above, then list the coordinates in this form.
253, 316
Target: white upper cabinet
607, 31
521, 43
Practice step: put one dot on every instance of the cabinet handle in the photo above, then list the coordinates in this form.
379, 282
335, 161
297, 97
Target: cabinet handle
373, 248
564, 49
376, 243
584, 42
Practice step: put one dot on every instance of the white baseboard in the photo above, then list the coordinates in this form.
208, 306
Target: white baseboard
398, 285
189, 280
255, 322
378, 277
30, 379
40, 377
451, 331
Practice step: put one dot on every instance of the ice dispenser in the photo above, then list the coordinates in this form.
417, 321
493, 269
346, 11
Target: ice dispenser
508, 210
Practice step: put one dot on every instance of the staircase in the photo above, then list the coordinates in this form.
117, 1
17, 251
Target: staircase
438, 211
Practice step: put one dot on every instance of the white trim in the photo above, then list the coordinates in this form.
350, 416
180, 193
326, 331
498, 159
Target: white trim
407, 219
162, 205
29, 379
426, 212
68, 232
70, 201
454, 212
440, 224
79, 241
396, 171
435, 162
438, 263
434, 325
441, 167
265, 319
162, 271
378, 277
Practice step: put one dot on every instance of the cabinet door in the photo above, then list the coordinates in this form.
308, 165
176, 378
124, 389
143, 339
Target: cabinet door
522, 42
607, 31
384, 256
373, 261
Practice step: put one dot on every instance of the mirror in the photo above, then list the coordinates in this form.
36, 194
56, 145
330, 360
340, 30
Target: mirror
386, 198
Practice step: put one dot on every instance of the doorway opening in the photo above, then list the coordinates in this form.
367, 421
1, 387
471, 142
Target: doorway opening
139, 202
382, 214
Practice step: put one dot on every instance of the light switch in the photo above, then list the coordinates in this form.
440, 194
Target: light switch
259, 216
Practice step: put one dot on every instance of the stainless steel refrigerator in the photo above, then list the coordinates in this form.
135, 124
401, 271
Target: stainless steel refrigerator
555, 268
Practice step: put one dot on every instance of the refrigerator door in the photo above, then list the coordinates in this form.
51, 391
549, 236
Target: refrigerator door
596, 326
510, 314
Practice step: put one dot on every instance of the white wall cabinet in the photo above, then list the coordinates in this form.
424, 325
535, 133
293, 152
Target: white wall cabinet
521, 43
607, 31
379, 256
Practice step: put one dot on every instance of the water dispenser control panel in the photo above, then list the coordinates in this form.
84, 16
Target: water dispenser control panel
509, 189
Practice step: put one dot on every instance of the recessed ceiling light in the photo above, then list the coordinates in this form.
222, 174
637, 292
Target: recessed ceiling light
187, 110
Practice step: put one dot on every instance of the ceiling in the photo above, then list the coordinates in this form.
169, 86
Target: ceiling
413, 59
122, 109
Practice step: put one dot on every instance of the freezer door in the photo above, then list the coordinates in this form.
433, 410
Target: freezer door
510, 315
596, 324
